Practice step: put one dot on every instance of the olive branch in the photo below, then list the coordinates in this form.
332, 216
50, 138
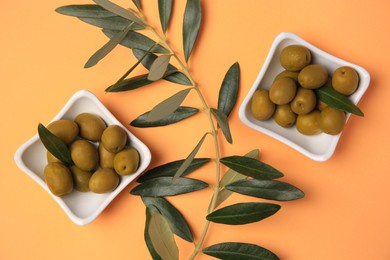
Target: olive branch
246, 174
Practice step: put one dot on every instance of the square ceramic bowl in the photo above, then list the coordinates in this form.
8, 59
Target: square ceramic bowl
318, 147
81, 207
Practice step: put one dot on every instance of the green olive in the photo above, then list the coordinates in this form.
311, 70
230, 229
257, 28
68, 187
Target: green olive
114, 138
295, 57
84, 155
103, 180
262, 107
332, 120
321, 105
282, 91
313, 76
309, 124
91, 126
345, 80
284, 116
66, 130
304, 101
106, 158
58, 178
80, 178
126, 161
289, 74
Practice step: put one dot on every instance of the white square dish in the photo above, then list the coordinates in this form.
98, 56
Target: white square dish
81, 207
317, 147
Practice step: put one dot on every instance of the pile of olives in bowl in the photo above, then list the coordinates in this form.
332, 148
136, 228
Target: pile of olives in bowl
100, 153
292, 100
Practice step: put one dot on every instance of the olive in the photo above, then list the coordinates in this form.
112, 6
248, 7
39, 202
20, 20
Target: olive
84, 155
80, 178
332, 120
91, 126
295, 57
313, 76
321, 105
304, 101
289, 74
58, 178
345, 80
282, 91
114, 138
103, 180
284, 116
65, 129
106, 158
126, 161
309, 124
262, 107
51, 158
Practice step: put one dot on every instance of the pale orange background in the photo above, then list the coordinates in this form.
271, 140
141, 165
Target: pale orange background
346, 212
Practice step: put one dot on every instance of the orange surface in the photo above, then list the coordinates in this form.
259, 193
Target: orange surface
345, 214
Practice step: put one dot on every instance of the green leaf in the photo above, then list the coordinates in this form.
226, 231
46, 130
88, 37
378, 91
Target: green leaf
232, 176
187, 162
266, 189
164, 186
239, 251
165, 9
169, 169
251, 167
176, 221
162, 237
223, 123
91, 11
180, 114
148, 241
177, 77
137, 3
337, 100
191, 25
159, 67
243, 213
112, 23
229, 90
118, 10
134, 40
107, 48
54, 145
168, 106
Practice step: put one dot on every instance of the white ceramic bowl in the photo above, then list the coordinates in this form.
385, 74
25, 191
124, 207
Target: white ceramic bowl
81, 207
318, 147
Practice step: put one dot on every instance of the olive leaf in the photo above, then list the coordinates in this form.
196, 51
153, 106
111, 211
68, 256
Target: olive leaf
180, 113
165, 9
337, 100
159, 67
229, 177
243, 213
251, 167
137, 3
134, 40
164, 186
107, 48
229, 90
87, 11
169, 169
148, 241
191, 26
266, 189
189, 159
162, 238
54, 145
239, 251
177, 77
168, 106
223, 123
112, 23
175, 219
118, 10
